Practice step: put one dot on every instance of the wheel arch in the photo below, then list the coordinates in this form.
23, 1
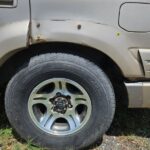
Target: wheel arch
19, 58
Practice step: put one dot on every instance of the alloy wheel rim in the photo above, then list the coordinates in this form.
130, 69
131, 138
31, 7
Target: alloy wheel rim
59, 106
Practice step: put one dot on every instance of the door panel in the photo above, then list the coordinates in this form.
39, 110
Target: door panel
14, 24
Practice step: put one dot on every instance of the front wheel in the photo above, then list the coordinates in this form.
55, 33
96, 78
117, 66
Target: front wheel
60, 101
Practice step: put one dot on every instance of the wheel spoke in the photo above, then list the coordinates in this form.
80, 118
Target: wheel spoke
57, 85
40, 99
79, 99
63, 86
45, 119
60, 86
51, 120
80, 102
40, 96
71, 122
44, 102
76, 119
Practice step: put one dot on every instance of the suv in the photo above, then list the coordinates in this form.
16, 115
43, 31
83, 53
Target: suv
65, 63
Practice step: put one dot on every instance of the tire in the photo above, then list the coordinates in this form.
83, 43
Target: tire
81, 72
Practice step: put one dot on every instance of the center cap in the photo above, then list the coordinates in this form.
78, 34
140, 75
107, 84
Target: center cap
61, 103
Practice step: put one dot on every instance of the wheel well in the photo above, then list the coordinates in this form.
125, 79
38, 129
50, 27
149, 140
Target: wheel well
21, 58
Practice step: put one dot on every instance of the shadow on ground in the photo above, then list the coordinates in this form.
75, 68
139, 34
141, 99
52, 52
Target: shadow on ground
131, 122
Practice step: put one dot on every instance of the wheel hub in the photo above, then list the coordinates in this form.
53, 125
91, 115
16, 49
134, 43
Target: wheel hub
61, 103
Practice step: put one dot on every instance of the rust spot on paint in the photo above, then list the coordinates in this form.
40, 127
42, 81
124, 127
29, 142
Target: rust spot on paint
40, 39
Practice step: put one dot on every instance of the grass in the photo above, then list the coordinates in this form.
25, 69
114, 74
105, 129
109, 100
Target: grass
130, 130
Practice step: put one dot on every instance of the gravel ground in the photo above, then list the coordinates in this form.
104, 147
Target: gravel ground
129, 131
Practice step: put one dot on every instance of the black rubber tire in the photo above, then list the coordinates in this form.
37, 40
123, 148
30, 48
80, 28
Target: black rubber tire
47, 66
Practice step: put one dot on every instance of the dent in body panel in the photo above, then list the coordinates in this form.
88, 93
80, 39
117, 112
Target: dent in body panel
98, 36
59, 22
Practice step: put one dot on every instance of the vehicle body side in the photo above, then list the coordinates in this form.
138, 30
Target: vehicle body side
95, 24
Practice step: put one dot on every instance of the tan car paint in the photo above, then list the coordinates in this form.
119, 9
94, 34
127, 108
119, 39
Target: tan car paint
97, 23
